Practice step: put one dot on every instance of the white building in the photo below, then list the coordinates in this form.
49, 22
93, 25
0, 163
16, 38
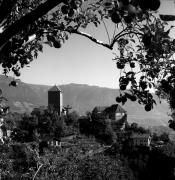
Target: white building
140, 139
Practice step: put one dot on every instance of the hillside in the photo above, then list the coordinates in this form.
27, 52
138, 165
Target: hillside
82, 98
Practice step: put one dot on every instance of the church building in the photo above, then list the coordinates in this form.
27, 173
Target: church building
55, 99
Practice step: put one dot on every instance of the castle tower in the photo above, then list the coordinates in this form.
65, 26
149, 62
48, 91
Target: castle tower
55, 99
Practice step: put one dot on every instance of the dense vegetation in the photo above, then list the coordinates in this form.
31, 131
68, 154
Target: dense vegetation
99, 154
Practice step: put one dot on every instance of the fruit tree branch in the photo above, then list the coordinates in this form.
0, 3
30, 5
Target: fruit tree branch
91, 38
73, 30
121, 34
6, 5
130, 32
109, 46
115, 37
29, 18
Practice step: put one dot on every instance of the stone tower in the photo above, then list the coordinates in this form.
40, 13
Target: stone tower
55, 99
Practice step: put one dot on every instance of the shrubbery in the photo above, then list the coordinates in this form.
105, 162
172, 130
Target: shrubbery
28, 151
99, 127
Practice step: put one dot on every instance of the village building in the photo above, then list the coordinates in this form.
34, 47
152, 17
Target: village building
140, 140
114, 114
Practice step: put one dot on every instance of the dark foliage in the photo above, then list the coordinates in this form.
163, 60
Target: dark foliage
98, 126
134, 127
154, 164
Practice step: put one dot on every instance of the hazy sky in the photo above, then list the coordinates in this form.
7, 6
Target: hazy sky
79, 61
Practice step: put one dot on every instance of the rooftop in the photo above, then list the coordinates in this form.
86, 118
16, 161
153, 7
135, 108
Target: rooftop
110, 109
55, 88
115, 108
140, 136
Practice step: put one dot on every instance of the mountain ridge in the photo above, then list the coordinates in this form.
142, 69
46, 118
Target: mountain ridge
82, 98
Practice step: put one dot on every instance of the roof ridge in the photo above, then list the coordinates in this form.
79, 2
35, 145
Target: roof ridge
55, 88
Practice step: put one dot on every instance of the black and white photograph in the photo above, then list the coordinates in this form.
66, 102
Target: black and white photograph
87, 89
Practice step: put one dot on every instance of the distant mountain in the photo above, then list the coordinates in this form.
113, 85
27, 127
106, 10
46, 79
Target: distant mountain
82, 98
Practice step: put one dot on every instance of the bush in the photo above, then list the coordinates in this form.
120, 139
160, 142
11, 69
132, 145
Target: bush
72, 118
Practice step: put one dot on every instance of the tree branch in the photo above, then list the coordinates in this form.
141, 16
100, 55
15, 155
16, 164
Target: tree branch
91, 38
130, 32
76, 31
5, 8
27, 19
119, 35
115, 37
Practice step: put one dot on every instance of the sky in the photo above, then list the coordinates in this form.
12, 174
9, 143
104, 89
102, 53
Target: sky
79, 60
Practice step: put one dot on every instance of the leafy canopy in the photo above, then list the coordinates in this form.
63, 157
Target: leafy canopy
144, 49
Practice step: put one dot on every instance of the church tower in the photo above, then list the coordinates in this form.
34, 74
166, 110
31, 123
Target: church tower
55, 99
